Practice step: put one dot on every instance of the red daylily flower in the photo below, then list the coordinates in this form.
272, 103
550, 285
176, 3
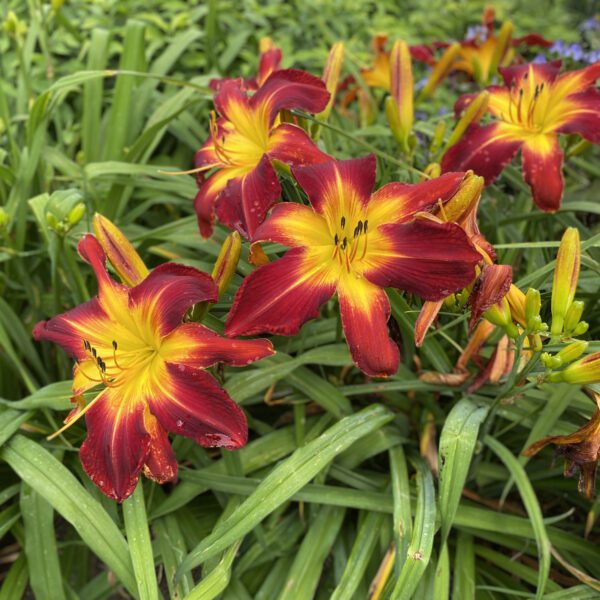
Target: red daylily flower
269, 61
245, 140
534, 106
131, 341
357, 244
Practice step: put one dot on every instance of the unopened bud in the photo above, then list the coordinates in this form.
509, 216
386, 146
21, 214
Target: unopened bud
227, 261
584, 371
573, 315
400, 111
76, 214
533, 304
517, 301
551, 362
580, 328
122, 255
566, 275
4, 219
52, 221
441, 70
438, 137
331, 76
472, 114
503, 43
499, 314
432, 170
572, 352
465, 198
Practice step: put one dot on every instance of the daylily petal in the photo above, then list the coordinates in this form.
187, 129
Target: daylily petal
191, 403
572, 82
542, 161
429, 259
233, 104
398, 202
84, 322
293, 224
292, 145
194, 345
168, 292
281, 296
161, 462
365, 310
332, 185
206, 198
485, 150
290, 88
244, 203
117, 444
270, 61
427, 315
583, 117
491, 287
538, 73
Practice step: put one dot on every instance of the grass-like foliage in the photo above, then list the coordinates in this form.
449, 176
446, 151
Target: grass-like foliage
362, 475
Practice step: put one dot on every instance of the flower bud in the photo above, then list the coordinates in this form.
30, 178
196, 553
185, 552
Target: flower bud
533, 304
566, 275
433, 170
503, 42
122, 255
517, 302
573, 315
400, 109
572, 352
551, 362
4, 219
580, 328
441, 69
465, 198
471, 115
52, 221
227, 261
331, 76
585, 371
76, 214
499, 314
438, 137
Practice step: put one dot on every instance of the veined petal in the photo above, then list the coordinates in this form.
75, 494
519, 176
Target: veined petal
234, 105
281, 296
294, 225
292, 145
491, 287
244, 203
485, 150
167, 293
117, 444
427, 315
195, 345
398, 202
429, 259
161, 462
542, 169
576, 81
365, 310
191, 403
582, 115
290, 88
536, 73
270, 61
337, 186
112, 296
206, 198
84, 322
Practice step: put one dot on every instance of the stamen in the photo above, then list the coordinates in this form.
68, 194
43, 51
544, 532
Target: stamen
344, 243
520, 103
343, 222
74, 419
366, 225
336, 239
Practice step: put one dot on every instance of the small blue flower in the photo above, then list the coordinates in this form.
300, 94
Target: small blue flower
591, 24
539, 59
479, 33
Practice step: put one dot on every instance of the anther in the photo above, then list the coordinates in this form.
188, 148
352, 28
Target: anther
343, 222
358, 229
94, 352
114, 345
366, 225
344, 243
336, 239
